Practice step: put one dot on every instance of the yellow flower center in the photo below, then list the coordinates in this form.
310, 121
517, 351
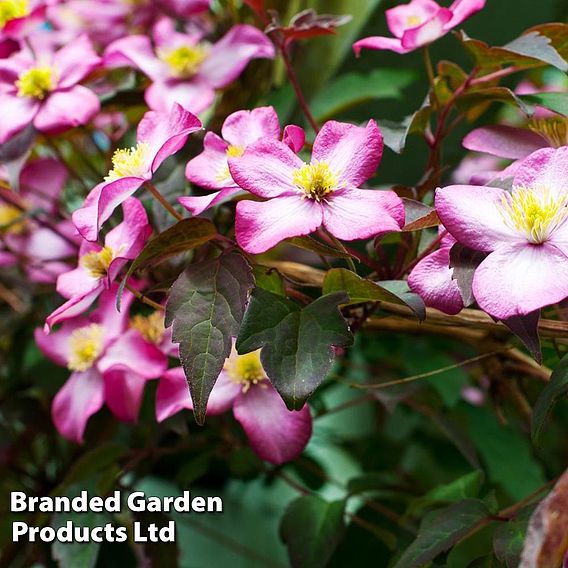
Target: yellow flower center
11, 220
12, 9
413, 21
129, 162
534, 213
35, 83
184, 61
86, 344
97, 263
245, 370
555, 130
151, 327
315, 180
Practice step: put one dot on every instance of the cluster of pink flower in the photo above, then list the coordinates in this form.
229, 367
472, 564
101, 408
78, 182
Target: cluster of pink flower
523, 231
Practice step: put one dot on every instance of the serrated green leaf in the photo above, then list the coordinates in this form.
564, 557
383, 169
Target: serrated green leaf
297, 343
440, 530
550, 394
311, 529
353, 89
205, 307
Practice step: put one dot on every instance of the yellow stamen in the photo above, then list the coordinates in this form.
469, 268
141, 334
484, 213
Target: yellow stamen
12, 9
85, 346
151, 327
129, 162
413, 21
316, 180
11, 220
534, 213
35, 83
555, 130
245, 370
184, 61
97, 263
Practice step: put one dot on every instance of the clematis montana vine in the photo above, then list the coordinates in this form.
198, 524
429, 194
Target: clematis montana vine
275, 433
42, 250
159, 135
45, 91
210, 169
184, 68
100, 265
109, 361
525, 232
301, 197
419, 23
432, 278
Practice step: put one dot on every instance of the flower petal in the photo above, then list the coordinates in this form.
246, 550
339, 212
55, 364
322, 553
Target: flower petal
545, 168
260, 226
75, 306
520, 279
74, 61
398, 18
196, 204
432, 280
17, 113
463, 9
136, 50
194, 95
55, 346
471, 214
232, 53
276, 434
266, 169
294, 137
504, 141
379, 42
352, 152
351, 214
210, 169
42, 181
244, 127
123, 393
428, 32
67, 109
79, 398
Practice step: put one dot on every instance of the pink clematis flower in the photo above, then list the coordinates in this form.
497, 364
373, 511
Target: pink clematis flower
41, 250
100, 265
159, 136
185, 69
109, 362
302, 197
419, 23
45, 92
524, 231
432, 279
275, 433
210, 169
19, 17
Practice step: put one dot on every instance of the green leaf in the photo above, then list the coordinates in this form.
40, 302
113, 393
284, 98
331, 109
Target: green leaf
311, 529
508, 540
472, 99
313, 245
419, 215
440, 530
269, 279
558, 102
297, 343
353, 89
396, 133
362, 290
181, 237
206, 306
466, 487
549, 396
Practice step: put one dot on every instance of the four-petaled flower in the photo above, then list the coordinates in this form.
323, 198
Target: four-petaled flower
301, 197
419, 23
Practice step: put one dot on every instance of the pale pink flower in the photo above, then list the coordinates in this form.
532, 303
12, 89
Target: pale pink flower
184, 68
302, 197
109, 361
159, 136
210, 169
275, 433
419, 23
99, 266
45, 91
